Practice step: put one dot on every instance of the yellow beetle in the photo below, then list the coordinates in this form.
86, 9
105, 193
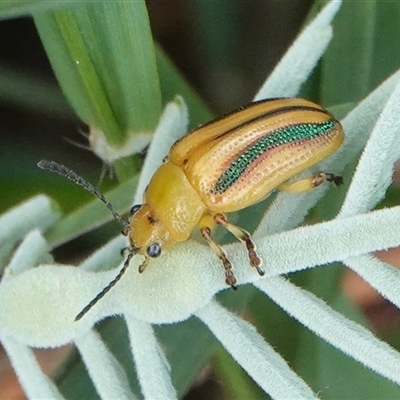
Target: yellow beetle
223, 166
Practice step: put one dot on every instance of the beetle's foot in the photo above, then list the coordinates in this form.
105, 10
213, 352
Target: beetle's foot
260, 271
336, 179
143, 265
321, 177
255, 260
229, 277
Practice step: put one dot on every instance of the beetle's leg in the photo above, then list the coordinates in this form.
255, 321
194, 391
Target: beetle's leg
244, 236
229, 277
144, 264
303, 185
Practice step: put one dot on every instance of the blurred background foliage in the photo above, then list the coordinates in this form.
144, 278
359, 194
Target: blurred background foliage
223, 50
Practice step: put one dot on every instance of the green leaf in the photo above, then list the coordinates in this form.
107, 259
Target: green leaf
103, 57
92, 215
173, 83
363, 52
191, 335
235, 383
188, 347
392, 197
19, 8
335, 375
29, 92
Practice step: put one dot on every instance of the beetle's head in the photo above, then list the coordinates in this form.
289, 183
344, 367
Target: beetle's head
147, 234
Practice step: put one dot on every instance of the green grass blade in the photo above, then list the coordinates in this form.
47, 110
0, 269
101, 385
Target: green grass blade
103, 57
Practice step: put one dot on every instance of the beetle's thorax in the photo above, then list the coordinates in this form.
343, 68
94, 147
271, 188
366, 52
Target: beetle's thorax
171, 211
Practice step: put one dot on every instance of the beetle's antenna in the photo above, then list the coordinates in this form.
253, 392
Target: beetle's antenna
74, 177
108, 287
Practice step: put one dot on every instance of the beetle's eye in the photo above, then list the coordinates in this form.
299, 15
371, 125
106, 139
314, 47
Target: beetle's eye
154, 250
135, 209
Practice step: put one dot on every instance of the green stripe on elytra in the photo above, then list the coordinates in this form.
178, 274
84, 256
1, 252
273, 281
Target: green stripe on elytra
289, 134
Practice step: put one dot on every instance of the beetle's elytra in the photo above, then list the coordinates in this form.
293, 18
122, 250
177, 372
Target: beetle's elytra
225, 165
